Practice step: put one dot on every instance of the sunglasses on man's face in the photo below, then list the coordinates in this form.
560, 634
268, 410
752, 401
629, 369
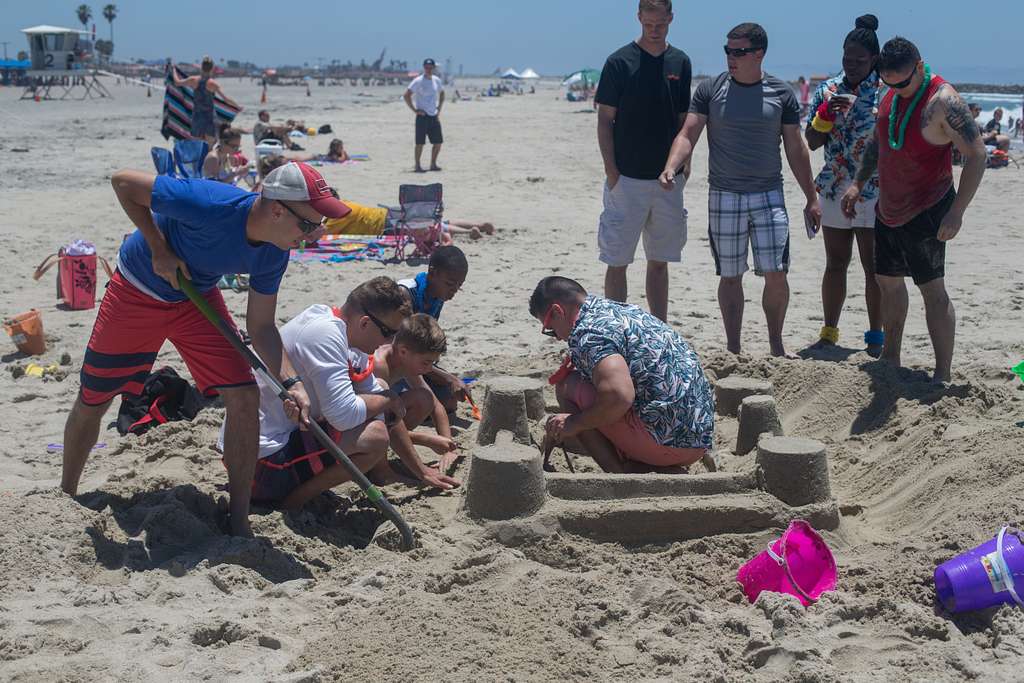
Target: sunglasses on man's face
384, 330
739, 51
305, 225
901, 84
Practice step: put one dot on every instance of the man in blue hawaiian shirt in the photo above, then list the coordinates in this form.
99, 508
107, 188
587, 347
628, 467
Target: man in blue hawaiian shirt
637, 398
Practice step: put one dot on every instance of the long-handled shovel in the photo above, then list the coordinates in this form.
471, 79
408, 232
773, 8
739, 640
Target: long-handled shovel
372, 492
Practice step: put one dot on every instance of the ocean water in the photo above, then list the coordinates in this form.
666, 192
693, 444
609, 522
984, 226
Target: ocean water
1011, 104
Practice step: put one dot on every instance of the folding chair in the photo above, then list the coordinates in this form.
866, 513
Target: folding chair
189, 156
163, 160
417, 219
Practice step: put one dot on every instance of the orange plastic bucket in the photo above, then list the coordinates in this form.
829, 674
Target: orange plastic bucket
26, 331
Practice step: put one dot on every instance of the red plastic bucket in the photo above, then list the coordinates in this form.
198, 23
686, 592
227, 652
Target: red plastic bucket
800, 564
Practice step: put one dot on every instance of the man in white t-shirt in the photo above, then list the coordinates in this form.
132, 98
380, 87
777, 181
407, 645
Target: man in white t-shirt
331, 350
425, 96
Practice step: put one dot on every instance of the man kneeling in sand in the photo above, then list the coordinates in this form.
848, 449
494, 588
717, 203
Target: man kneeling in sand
418, 345
637, 398
329, 350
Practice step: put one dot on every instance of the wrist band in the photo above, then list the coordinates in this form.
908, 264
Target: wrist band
874, 337
291, 382
822, 125
823, 112
830, 334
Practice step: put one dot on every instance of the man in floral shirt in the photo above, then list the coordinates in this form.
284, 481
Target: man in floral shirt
637, 398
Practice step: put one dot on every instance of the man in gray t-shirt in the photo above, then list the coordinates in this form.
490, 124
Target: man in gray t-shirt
748, 113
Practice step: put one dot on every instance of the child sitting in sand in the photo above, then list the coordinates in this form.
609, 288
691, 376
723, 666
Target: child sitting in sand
402, 364
444, 277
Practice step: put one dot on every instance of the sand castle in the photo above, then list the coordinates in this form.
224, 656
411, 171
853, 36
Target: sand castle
508, 491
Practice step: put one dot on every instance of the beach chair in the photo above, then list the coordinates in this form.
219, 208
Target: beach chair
163, 160
189, 156
416, 220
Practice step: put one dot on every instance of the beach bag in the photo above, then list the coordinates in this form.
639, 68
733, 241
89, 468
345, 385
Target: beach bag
76, 273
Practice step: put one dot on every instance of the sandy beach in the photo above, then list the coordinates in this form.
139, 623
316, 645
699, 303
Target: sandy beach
135, 579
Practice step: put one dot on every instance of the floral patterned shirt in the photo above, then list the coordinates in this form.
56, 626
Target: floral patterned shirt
847, 141
673, 397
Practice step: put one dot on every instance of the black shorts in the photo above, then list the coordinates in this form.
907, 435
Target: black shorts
428, 127
914, 249
301, 459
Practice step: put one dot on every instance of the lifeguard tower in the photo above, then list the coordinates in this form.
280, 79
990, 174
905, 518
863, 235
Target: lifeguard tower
59, 68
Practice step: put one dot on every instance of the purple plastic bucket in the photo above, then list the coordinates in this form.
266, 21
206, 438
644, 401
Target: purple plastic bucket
991, 574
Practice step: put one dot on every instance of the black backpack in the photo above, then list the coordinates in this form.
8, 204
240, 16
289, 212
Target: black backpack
165, 397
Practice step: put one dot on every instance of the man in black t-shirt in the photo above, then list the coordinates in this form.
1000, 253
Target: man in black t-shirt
642, 100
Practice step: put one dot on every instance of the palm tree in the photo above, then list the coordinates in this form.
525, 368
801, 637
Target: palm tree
110, 13
84, 15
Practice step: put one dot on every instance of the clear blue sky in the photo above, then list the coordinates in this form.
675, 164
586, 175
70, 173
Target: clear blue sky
552, 36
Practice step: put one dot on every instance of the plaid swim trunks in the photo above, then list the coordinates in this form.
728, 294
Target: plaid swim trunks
757, 218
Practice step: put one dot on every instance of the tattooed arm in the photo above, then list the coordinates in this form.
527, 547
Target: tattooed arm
952, 121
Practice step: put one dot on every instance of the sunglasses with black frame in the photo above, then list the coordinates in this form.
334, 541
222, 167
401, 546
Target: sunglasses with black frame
902, 84
305, 225
384, 330
739, 51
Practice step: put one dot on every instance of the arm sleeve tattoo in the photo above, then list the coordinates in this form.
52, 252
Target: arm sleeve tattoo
870, 161
959, 119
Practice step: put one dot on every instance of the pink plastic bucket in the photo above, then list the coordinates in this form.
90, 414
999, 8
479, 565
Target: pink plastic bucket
800, 564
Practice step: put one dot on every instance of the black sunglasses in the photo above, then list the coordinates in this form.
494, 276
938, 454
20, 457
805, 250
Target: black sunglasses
305, 225
384, 330
902, 84
739, 51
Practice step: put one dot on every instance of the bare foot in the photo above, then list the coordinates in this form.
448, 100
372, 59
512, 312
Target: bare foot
435, 167
487, 228
419, 169
779, 351
474, 233
874, 350
239, 526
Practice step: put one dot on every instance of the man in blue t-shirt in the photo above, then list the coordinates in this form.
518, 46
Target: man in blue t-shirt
206, 229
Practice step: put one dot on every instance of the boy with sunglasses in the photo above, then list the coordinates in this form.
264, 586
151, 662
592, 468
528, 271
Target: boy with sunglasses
331, 350
637, 398
748, 113
204, 229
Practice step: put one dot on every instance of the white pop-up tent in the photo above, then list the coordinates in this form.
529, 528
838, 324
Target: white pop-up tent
528, 73
511, 74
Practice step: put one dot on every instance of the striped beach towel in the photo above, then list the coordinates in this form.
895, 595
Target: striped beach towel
177, 119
